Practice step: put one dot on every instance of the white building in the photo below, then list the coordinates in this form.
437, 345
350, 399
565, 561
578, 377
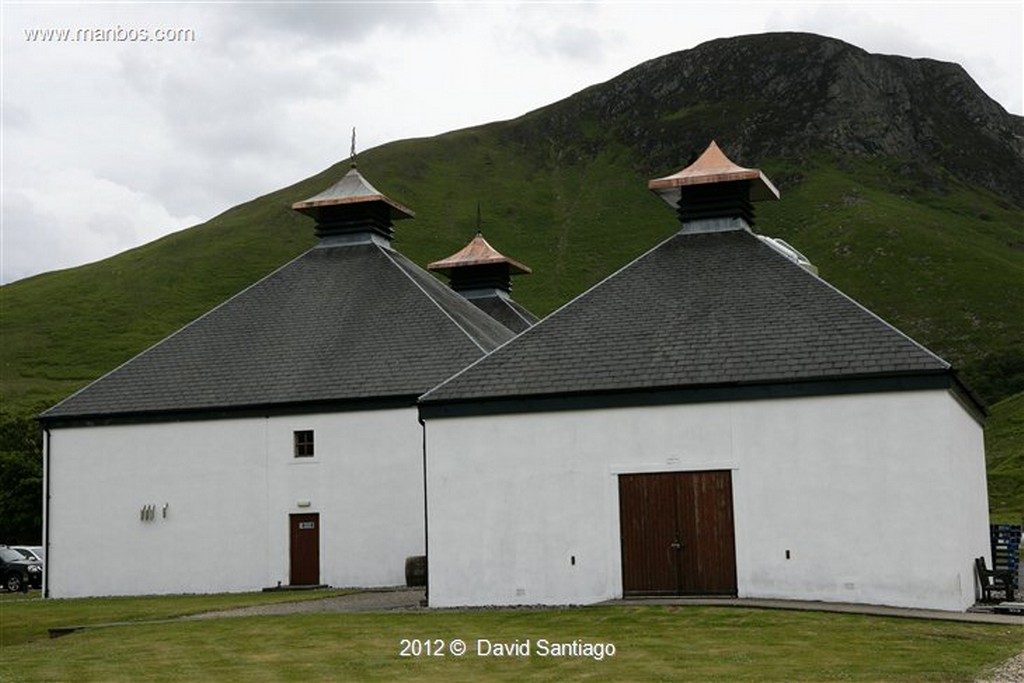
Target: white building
711, 419
275, 439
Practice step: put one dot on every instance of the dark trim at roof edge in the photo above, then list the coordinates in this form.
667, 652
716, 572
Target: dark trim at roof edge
968, 398
707, 394
268, 410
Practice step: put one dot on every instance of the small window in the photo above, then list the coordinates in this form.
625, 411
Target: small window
304, 443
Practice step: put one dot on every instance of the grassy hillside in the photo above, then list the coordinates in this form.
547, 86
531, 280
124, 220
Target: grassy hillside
945, 263
1004, 449
63, 329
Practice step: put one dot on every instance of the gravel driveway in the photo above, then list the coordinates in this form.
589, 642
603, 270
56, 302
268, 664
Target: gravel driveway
375, 601
1012, 671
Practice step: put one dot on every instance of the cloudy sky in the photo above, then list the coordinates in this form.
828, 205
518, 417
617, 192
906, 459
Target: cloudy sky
110, 144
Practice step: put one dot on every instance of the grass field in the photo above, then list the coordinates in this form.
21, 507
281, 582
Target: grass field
651, 644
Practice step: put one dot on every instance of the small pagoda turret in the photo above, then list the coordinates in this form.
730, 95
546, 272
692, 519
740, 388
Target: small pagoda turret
353, 211
713, 193
483, 275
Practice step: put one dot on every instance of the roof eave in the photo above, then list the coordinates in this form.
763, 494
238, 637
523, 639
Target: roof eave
227, 412
711, 168
701, 393
761, 188
515, 267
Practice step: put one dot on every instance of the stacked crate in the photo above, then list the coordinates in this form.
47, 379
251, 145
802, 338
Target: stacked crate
1005, 547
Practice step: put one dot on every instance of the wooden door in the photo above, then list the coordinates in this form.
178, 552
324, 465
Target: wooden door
676, 531
305, 549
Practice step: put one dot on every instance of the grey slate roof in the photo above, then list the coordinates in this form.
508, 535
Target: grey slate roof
506, 311
702, 309
337, 323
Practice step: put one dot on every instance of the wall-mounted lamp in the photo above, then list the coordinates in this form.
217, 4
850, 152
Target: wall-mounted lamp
304, 503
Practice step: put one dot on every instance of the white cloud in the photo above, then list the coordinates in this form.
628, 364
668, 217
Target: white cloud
352, 22
74, 217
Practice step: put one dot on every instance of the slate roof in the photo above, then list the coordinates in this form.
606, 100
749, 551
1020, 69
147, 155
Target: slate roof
699, 310
338, 323
506, 311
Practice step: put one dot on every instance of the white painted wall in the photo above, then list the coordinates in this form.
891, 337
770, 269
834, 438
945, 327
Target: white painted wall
230, 486
879, 498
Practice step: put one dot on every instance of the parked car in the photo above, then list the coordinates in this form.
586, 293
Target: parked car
16, 572
33, 554
36, 551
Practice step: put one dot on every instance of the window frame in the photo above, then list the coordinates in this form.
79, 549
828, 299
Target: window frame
303, 443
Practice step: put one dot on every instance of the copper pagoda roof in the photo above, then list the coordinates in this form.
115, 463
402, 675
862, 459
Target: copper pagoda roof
478, 253
713, 167
353, 188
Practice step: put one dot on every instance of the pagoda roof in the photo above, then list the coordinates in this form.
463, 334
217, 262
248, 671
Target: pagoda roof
353, 188
713, 167
477, 253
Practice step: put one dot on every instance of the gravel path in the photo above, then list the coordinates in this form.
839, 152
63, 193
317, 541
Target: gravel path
1012, 671
376, 601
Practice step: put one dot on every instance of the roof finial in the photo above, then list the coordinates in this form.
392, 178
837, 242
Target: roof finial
478, 230
352, 153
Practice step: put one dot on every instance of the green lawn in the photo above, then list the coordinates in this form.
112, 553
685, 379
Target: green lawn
652, 643
25, 618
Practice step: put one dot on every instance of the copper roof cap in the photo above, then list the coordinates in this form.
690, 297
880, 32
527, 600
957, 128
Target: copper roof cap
713, 167
477, 253
352, 189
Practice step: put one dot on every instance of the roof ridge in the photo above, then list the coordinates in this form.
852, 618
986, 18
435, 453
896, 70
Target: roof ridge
515, 309
431, 298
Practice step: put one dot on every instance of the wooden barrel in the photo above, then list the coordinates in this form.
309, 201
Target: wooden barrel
416, 570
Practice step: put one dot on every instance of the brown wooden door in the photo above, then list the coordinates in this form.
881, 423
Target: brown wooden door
676, 530
305, 549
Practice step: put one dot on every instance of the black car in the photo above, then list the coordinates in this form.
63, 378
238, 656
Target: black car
16, 572
35, 578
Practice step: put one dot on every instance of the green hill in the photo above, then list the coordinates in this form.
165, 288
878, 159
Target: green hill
1004, 450
900, 179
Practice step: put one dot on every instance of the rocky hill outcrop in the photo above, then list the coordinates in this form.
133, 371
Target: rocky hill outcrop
791, 94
